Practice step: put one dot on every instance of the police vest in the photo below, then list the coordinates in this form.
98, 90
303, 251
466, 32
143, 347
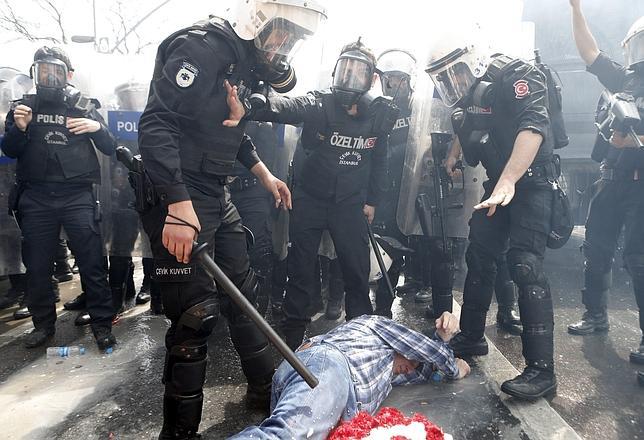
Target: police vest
338, 150
205, 145
54, 154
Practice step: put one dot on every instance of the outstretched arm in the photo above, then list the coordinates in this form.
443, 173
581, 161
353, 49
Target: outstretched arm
586, 44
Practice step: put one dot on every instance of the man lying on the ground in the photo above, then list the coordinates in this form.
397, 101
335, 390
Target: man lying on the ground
356, 363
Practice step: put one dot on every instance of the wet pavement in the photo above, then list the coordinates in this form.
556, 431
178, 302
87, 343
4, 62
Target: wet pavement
118, 396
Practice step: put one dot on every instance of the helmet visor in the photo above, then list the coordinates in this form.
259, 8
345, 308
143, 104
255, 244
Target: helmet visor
50, 74
453, 82
279, 40
634, 49
395, 83
352, 74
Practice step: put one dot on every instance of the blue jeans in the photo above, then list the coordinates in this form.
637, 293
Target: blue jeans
299, 412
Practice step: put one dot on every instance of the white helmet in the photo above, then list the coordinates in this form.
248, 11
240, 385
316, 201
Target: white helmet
633, 44
276, 26
397, 66
454, 65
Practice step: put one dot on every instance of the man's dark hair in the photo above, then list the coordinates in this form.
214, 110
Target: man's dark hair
53, 52
359, 47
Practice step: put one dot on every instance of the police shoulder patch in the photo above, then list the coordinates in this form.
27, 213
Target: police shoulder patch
186, 74
521, 89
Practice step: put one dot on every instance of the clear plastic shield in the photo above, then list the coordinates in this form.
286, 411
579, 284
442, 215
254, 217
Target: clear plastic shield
13, 85
122, 232
425, 188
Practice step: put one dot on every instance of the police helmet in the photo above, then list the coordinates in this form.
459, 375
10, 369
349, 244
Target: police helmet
454, 64
633, 44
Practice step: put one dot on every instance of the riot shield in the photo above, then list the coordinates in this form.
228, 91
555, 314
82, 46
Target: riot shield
426, 192
122, 232
288, 137
13, 85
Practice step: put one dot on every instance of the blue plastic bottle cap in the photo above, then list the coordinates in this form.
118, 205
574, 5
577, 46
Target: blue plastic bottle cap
109, 350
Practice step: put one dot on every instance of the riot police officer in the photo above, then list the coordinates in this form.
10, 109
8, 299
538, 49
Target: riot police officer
53, 134
254, 204
188, 155
397, 69
619, 200
339, 183
516, 207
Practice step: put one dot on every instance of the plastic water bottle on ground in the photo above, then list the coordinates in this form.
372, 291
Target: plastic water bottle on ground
71, 351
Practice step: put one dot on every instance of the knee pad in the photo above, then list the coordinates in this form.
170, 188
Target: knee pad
201, 318
185, 369
525, 268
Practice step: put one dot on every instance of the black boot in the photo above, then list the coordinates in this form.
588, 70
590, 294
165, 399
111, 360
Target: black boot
423, 296
537, 380
23, 311
144, 295
462, 345
292, 333
77, 303
38, 337
507, 319
181, 417
590, 322
83, 318
16, 291
104, 338
333, 308
258, 396
156, 301
637, 355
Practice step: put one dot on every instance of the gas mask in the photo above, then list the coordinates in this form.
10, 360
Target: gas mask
50, 77
352, 76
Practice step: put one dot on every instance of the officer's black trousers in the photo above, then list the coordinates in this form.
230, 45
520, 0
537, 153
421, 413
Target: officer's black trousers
346, 224
192, 304
41, 217
522, 229
616, 206
254, 207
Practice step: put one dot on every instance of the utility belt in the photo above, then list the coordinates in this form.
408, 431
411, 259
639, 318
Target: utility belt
620, 175
242, 183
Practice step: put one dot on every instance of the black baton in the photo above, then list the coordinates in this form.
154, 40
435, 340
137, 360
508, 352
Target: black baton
199, 253
381, 264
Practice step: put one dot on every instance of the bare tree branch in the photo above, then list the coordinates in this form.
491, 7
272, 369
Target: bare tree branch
11, 22
53, 11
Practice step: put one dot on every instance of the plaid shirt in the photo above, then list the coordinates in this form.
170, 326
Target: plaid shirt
369, 343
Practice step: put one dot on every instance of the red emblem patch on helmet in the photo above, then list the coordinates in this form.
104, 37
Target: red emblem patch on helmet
521, 89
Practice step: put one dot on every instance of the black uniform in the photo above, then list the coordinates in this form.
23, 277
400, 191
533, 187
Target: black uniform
55, 173
255, 206
344, 168
385, 218
618, 203
188, 153
522, 227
